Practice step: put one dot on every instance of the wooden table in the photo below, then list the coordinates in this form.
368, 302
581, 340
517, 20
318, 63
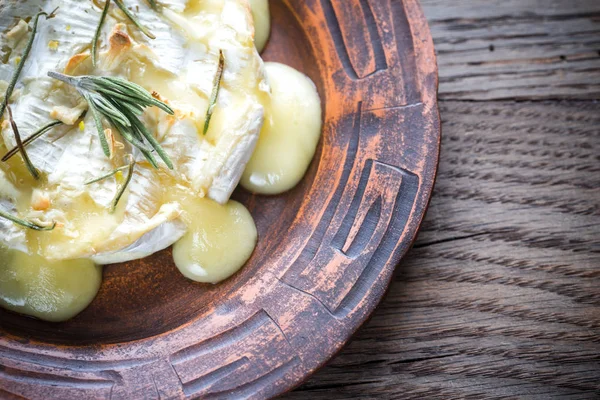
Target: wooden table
500, 296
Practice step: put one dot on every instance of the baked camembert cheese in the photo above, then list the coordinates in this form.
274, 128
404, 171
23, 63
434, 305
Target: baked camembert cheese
126, 127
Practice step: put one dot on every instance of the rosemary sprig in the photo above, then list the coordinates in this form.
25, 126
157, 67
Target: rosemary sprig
134, 19
34, 136
108, 175
15, 77
97, 34
26, 224
124, 185
32, 169
215, 92
121, 102
153, 4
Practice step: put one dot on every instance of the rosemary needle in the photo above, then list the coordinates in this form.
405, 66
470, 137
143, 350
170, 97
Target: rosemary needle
133, 19
34, 136
215, 92
32, 170
153, 4
99, 126
123, 186
15, 77
26, 224
97, 34
108, 175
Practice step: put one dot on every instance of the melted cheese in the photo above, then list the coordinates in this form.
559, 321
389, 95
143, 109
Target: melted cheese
179, 65
290, 135
219, 241
51, 291
262, 22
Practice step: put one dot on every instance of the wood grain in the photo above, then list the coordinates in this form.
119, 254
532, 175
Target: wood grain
500, 296
516, 49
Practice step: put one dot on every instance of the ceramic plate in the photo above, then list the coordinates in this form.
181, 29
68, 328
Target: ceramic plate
326, 253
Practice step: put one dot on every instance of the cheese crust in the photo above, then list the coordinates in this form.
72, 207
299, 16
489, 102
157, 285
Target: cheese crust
179, 65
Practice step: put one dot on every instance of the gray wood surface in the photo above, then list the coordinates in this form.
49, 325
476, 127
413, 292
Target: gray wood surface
500, 296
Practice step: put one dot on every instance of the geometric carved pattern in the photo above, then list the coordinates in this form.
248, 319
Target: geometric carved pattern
362, 34
239, 349
354, 231
327, 249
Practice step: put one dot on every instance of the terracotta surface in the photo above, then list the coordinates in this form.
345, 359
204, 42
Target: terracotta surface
326, 253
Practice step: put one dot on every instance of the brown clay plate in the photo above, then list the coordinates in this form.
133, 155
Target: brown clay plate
326, 253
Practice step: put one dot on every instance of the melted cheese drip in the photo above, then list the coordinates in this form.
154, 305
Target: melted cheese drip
51, 291
262, 23
290, 135
219, 241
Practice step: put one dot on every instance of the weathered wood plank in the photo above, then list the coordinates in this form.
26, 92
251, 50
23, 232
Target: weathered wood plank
516, 49
500, 296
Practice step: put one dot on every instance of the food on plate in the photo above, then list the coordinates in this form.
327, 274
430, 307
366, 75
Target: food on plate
262, 22
290, 133
126, 126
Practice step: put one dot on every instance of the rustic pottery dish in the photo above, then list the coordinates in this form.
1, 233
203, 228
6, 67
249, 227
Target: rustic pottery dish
327, 249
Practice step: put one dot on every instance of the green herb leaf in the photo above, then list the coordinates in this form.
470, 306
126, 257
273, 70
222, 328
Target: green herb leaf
134, 19
106, 176
97, 34
124, 185
153, 4
26, 224
34, 136
99, 127
32, 170
215, 92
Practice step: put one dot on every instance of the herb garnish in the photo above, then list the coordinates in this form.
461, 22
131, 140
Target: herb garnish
123, 186
108, 175
121, 102
32, 169
97, 34
37, 134
215, 92
15, 77
26, 224
134, 19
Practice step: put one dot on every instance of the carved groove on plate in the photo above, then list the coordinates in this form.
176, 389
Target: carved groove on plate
382, 203
237, 351
341, 46
264, 382
35, 378
205, 382
223, 340
310, 251
71, 364
380, 60
353, 245
401, 211
406, 50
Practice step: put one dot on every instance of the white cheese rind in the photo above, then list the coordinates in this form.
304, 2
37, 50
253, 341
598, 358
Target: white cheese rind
69, 156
